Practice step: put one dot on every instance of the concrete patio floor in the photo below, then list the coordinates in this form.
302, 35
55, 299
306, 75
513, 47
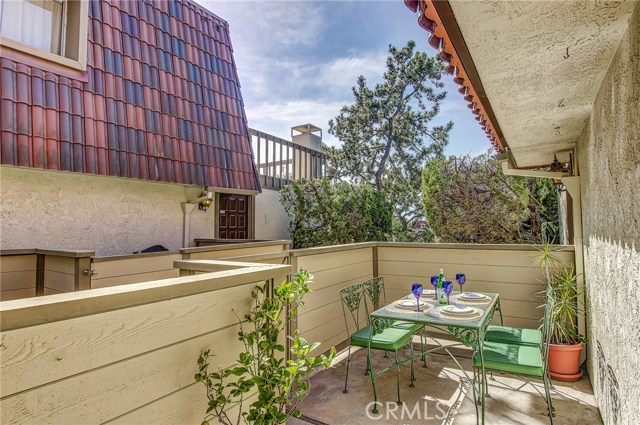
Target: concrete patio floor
447, 394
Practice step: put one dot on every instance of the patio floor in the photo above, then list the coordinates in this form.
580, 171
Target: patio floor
446, 393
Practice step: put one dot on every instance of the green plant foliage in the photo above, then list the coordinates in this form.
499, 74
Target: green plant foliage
469, 200
386, 133
261, 368
333, 213
561, 279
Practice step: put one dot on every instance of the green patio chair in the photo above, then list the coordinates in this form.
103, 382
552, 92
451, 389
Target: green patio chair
389, 340
519, 359
376, 297
518, 336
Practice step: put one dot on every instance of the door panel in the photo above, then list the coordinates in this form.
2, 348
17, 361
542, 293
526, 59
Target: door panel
233, 216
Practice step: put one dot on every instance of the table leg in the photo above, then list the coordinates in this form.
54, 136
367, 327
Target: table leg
483, 376
499, 311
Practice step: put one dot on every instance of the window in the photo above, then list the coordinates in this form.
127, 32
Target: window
54, 30
35, 23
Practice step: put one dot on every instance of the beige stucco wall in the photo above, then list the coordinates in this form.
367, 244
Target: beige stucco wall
271, 220
59, 210
609, 161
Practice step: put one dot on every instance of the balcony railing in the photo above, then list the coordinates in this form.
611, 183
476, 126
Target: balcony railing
280, 161
126, 352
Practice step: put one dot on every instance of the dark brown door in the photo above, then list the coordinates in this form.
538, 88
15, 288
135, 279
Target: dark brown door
234, 216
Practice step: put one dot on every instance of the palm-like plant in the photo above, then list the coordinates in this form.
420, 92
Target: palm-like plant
561, 280
564, 323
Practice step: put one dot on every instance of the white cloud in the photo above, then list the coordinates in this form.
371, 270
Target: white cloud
340, 74
279, 116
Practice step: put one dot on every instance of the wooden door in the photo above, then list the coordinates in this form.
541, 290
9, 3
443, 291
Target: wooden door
233, 216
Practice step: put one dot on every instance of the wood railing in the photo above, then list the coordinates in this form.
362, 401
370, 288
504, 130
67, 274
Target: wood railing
280, 161
126, 354
28, 273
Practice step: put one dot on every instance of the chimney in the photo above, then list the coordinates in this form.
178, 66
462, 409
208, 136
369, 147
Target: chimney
307, 135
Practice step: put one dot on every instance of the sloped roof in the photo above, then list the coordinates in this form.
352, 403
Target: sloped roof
160, 101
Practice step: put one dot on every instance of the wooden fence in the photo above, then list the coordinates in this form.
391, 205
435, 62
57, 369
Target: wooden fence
124, 354
28, 273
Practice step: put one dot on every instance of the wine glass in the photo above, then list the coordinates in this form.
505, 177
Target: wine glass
461, 279
416, 290
447, 286
434, 283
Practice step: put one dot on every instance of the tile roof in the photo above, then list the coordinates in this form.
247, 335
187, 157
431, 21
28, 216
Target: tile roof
439, 39
160, 100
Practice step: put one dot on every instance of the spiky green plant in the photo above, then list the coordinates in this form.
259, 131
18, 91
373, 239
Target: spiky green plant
561, 280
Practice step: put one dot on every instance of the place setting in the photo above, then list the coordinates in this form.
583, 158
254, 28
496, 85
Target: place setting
468, 298
408, 304
456, 312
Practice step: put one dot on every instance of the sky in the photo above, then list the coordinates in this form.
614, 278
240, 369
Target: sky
297, 62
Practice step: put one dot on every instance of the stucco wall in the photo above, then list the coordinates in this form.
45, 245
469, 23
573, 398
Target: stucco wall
271, 220
50, 209
609, 161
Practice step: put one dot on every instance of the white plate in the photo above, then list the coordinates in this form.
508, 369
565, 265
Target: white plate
410, 303
472, 296
458, 309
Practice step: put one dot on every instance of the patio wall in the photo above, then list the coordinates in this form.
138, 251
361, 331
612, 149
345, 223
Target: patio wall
333, 268
125, 354
505, 269
27, 273
17, 276
609, 169
126, 269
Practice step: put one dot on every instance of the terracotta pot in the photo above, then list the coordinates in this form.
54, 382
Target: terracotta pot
564, 362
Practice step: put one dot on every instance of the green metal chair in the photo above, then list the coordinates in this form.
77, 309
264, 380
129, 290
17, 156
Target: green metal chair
518, 336
391, 339
376, 297
519, 359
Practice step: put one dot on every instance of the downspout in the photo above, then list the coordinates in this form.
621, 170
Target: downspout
573, 187
204, 202
187, 209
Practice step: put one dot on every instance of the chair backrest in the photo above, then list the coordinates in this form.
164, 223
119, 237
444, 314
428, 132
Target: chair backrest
374, 294
351, 297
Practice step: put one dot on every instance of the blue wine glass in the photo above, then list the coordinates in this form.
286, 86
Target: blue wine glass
447, 285
434, 283
416, 290
461, 279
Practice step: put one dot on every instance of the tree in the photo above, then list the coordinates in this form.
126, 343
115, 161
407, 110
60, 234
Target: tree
332, 213
386, 134
469, 200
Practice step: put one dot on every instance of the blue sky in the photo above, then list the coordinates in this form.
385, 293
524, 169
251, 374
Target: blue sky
297, 61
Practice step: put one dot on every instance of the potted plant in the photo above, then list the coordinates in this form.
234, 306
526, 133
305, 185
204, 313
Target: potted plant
565, 341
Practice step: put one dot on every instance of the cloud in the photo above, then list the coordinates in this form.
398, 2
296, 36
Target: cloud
277, 26
278, 117
340, 74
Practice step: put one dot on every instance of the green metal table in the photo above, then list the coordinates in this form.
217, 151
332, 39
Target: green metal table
470, 333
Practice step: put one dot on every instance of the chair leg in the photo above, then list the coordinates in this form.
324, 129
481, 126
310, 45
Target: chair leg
547, 391
398, 377
346, 378
373, 383
413, 376
479, 380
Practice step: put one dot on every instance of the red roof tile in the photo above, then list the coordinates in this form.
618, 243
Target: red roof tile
113, 123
